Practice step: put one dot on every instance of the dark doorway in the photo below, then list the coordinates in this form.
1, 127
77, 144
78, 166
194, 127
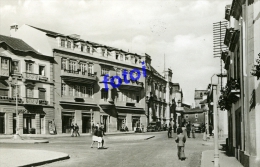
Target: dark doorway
120, 122
14, 123
2, 123
66, 122
86, 124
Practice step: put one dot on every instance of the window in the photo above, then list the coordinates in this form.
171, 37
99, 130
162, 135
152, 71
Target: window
77, 90
63, 64
83, 91
29, 92
42, 70
14, 91
90, 92
42, 93
88, 49
4, 63
68, 44
62, 43
83, 68
72, 66
104, 71
196, 115
90, 68
118, 72
82, 48
103, 52
63, 89
15, 66
104, 94
70, 90
117, 56
121, 57
29, 67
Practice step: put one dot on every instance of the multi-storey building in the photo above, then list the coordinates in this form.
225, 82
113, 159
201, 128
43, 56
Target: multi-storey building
26, 83
86, 80
241, 96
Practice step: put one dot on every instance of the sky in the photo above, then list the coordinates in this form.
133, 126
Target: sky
180, 30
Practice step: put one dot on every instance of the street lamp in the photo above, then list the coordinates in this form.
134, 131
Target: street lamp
11, 81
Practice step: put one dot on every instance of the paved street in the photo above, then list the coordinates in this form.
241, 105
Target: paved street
123, 151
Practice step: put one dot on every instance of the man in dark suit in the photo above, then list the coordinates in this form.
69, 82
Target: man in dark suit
180, 140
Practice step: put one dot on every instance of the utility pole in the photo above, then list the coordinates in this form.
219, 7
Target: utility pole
215, 110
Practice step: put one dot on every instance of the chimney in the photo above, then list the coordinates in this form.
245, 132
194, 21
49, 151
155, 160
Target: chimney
13, 29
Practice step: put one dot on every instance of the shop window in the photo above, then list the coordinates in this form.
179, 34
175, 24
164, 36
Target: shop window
15, 66
42, 70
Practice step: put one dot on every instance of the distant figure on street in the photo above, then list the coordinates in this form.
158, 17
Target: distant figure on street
210, 130
188, 128
76, 130
170, 131
193, 131
180, 140
72, 130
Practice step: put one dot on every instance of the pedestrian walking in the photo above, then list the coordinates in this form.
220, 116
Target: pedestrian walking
180, 140
94, 136
193, 131
170, 131
76, 130
188, 128
72, 130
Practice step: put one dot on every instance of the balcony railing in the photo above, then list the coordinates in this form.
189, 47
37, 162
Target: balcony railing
30, 76
78, 76
11, 99
31, 100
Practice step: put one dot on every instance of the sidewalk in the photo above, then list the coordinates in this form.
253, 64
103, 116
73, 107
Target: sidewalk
207, 159
19, 157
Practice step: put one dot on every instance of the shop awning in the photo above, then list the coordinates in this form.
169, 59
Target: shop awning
129, 109
109, 109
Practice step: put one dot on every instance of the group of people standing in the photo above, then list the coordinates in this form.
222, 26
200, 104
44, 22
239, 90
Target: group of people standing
74, 130
190, 129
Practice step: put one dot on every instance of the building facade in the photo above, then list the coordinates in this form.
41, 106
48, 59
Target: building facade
94, 83
26, 84
241, 96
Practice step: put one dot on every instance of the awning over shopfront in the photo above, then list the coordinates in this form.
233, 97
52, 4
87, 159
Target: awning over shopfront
109, 109
78, 105
130, 110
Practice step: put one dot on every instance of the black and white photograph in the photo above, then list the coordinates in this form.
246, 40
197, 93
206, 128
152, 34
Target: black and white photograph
130, 83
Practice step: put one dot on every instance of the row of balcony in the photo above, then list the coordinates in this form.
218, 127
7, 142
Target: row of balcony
25, 100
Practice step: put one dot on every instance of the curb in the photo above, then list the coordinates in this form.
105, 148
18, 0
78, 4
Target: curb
149, 138
10, 141
46, 162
